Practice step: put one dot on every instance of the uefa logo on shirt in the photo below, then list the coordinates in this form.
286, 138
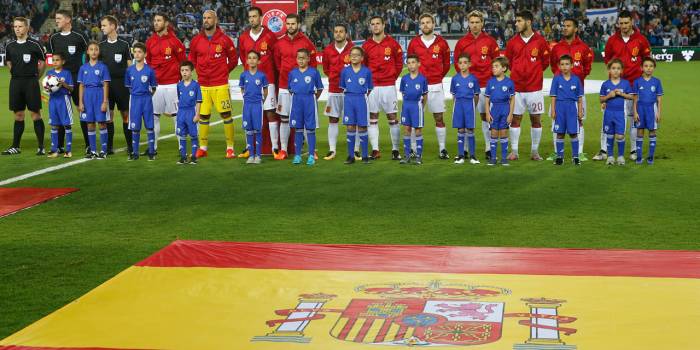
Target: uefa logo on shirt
26, 58
71, 50
117, 57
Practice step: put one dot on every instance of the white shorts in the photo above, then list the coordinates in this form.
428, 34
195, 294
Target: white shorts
383, 98
532, 102
436, 98
165, 99
481, 106
271, 100
284, 102
334, 105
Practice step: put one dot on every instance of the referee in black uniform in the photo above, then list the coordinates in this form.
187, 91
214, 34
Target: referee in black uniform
74, 45
116, 54
26, 59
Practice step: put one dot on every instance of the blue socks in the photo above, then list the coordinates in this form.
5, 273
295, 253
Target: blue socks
351, 136
258, 143
407, 146
135, 138
560, 148
460, 144
471, 140
250, 139
183, 146
92, 140
298, 141
54, 139
574, 146
419, 146
311, 136
151, 141
69, 139
610, 140
652, 147
103, 139
504, 148
364, 147
494, 145
620, 147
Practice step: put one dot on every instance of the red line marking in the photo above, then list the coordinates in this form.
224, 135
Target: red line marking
522, 261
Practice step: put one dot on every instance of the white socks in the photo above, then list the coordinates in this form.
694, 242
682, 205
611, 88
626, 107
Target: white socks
603, 141
395, 131
633, 131
413, 139
156, 129
580, 140
536, 135
373, 133
487, 134
284, 134
441, 136
514, 139
332, 136
274, 133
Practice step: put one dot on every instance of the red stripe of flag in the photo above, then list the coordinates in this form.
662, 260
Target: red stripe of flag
383, 331
346, 329
351, 257
363, 331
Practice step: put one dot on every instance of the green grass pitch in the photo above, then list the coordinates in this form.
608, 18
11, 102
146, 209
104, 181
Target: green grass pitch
124, 211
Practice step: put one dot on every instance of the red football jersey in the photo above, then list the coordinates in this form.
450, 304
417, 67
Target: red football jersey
528, 60
434, 59
630, 53
263, 45
333, 64
164, 54
581, 54
384, 59
285, 53
482, 49
214, 59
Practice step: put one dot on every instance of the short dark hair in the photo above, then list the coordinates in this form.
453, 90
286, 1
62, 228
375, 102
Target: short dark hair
257, 54
256, 9
376, 17
111, 19
304, 51
165, 16
571, 19
624, 14
503, 61
412, 56
616, 60
293, 16
93, 42
649, 59
60, 54
358, 48
139, 45
464, 55
345, 27
64, 13
566, 58
186, 63
526, 15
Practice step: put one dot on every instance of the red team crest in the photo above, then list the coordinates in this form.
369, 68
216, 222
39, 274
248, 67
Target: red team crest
346, 59
534, 52
219, 48
387, 51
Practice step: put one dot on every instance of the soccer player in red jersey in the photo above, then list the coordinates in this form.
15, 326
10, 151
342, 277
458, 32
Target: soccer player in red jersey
482, 49
262, 40
528, 53
434, 54
631, 47
285, 54
164, 52
336, 56
384, 57
582, 60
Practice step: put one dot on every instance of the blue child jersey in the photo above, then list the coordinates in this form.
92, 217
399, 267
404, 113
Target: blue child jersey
306, 82
252, 85
617, 102
500, 91
647, 90
93, 76
188, 95
359, 82
413, 89
464, 87
140, 82
566, 90
67, 78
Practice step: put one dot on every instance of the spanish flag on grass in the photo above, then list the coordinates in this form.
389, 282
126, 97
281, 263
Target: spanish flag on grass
267, 296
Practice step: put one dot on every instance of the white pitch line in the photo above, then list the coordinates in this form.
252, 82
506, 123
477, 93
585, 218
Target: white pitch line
82, 160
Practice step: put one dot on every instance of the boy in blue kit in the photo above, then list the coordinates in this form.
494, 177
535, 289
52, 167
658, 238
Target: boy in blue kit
647, 107
94, 78
499, 104
189, 97
356, 82
613, 93
253, 85
60, 106
305, 86
141, 81
567, 108
465, 89
414, 89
